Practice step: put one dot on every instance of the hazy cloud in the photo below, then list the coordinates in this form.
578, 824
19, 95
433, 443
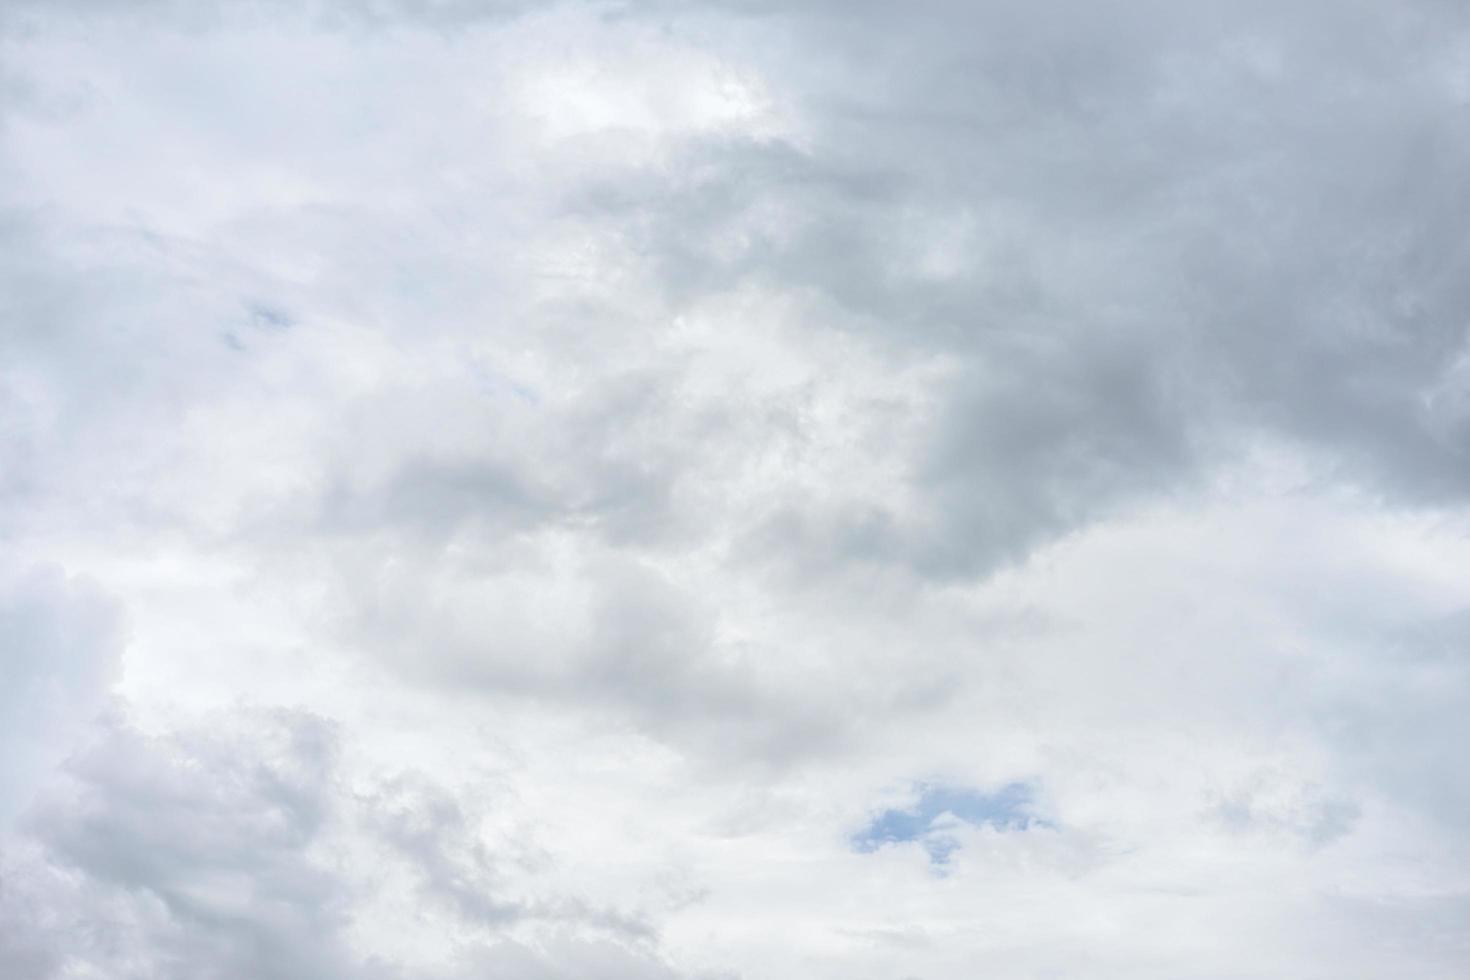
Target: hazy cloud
733, 489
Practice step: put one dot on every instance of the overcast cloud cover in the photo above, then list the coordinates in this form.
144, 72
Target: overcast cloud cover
734, 490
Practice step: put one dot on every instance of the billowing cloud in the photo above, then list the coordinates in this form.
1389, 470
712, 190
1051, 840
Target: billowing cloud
733, 489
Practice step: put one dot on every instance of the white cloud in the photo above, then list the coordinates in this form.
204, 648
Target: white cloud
62, 638
565, 471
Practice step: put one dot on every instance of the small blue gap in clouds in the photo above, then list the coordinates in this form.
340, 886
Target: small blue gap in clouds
938, 809
266, 317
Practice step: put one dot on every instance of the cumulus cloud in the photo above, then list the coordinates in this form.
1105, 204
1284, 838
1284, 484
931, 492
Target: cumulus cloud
733, 489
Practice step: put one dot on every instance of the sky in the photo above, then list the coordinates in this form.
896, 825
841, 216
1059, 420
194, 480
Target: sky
734, 490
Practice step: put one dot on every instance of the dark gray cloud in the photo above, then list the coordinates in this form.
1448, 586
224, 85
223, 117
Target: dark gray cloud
1168, 228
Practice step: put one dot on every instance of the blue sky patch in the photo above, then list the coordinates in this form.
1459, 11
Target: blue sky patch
938, 809
266, 317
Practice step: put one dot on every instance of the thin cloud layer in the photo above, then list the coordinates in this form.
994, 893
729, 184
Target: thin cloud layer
732, 490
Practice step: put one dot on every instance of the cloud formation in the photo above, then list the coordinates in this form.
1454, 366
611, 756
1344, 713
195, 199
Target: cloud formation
734, 490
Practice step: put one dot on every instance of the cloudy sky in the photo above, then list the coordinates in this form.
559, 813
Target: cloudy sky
734, 490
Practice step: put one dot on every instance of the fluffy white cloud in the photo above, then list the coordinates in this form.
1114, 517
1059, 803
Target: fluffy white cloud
733, 490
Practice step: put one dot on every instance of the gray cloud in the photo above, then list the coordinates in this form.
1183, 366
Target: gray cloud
576, 456
190, 857
1166, 227
218, 852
